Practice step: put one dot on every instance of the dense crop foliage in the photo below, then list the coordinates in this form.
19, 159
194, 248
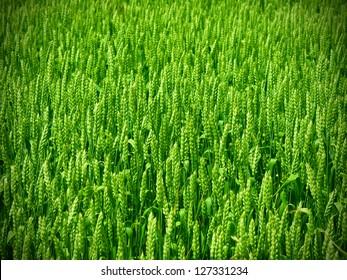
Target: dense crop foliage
173, 129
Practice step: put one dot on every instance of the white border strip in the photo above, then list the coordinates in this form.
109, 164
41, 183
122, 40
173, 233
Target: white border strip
95, 270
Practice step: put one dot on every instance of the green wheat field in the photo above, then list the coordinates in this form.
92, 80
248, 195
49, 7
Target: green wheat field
173, 129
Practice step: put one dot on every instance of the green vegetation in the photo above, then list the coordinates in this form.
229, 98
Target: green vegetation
173, 129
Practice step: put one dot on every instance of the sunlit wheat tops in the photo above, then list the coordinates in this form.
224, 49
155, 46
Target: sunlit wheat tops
173, 129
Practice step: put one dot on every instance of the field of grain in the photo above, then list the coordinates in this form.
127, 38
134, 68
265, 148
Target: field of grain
173, 129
